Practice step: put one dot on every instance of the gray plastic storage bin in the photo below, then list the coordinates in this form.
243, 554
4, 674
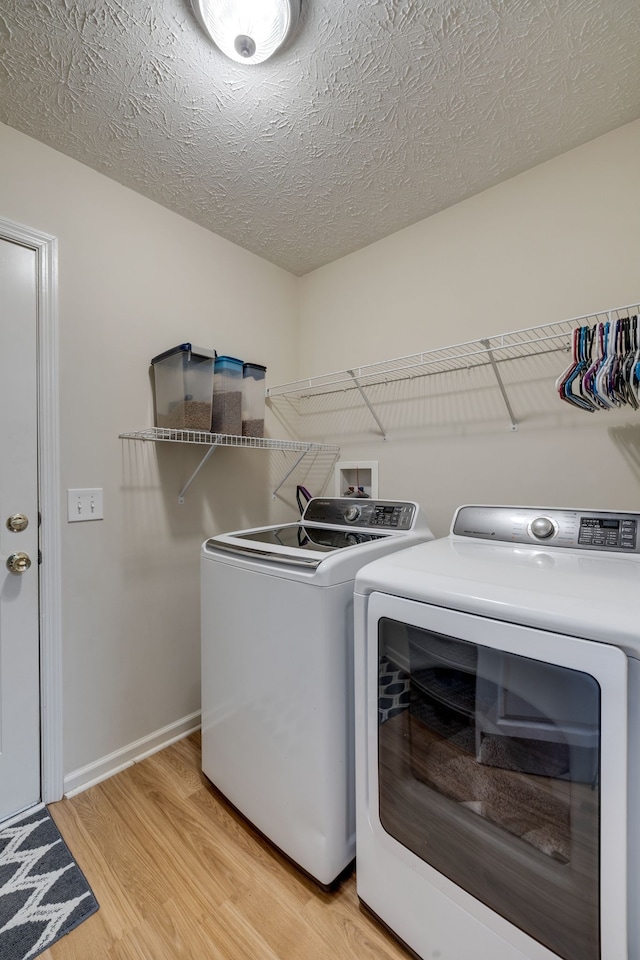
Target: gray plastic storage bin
183, 380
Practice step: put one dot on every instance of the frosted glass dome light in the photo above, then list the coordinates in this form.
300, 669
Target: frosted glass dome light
248, 31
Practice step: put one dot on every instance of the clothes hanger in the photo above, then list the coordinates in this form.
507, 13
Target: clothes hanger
564, 379
605, 366
588, 379
602, 376
629, 363
582, 338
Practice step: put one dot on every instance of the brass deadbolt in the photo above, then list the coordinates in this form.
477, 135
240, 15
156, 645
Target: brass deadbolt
17, 522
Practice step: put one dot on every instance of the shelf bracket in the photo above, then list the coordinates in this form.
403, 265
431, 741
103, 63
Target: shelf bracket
487, 345
289, 472
366, 400
195, 473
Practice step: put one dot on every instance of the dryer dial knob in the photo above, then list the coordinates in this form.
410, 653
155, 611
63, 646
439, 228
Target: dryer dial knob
542, 528
352, 513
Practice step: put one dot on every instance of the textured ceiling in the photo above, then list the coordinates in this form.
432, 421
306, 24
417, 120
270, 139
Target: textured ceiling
376, 114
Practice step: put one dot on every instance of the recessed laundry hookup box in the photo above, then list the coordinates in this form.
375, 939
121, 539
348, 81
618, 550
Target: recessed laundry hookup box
183, 381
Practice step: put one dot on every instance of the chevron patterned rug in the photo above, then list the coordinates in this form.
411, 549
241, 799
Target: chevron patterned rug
43, 892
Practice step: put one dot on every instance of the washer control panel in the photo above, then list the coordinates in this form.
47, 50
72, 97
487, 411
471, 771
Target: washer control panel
609, 532
357, 512
577, 529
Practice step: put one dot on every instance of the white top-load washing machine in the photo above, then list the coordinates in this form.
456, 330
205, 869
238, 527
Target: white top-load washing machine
277, 670
497, 677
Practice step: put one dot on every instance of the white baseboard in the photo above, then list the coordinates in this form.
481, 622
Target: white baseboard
85, 777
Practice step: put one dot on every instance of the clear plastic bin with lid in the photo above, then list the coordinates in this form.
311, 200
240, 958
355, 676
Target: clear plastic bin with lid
183, 384
253, 377
227, 396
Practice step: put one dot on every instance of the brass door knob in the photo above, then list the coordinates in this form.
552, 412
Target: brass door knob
18, 563
17, 522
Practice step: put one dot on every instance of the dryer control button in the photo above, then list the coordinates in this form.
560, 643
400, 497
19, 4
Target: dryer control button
542, 528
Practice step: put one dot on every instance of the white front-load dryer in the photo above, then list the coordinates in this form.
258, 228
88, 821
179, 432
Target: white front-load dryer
497, 677
277, 670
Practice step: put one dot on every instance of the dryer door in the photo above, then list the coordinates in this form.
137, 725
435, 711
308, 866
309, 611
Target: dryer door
497, 757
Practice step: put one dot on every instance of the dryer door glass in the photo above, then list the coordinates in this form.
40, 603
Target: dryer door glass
489, 769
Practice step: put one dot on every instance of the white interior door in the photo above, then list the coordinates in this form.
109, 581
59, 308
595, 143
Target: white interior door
19, 617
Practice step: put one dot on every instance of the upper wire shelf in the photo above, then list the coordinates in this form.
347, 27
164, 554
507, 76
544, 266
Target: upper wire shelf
517, 344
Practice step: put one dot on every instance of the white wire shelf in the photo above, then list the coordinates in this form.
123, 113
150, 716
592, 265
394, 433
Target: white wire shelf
227, 440
487, 351
461, 356
215, 440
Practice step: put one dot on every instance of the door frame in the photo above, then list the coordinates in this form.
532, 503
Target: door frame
50, 579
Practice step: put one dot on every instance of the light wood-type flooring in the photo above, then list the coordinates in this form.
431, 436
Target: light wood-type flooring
179, 875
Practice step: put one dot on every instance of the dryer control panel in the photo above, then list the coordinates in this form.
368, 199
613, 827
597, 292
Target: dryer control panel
357, 512
576, 529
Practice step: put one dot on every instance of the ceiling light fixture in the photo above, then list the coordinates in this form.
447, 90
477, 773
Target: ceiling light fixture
248, 31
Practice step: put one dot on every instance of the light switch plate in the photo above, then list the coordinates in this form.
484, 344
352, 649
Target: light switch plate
84, 504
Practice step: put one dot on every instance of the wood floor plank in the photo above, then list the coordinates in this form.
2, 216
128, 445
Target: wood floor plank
179, 767
350, 932
180, 875
253, 859
169, 934
200, 826
103, 874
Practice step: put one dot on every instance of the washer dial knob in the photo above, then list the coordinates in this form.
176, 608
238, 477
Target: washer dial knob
352, 513
542, 528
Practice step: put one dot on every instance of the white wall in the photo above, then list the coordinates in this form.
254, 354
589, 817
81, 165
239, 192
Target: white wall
135, 279
556, 242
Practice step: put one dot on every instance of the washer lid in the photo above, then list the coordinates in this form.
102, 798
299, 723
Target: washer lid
297, 543
316, 538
